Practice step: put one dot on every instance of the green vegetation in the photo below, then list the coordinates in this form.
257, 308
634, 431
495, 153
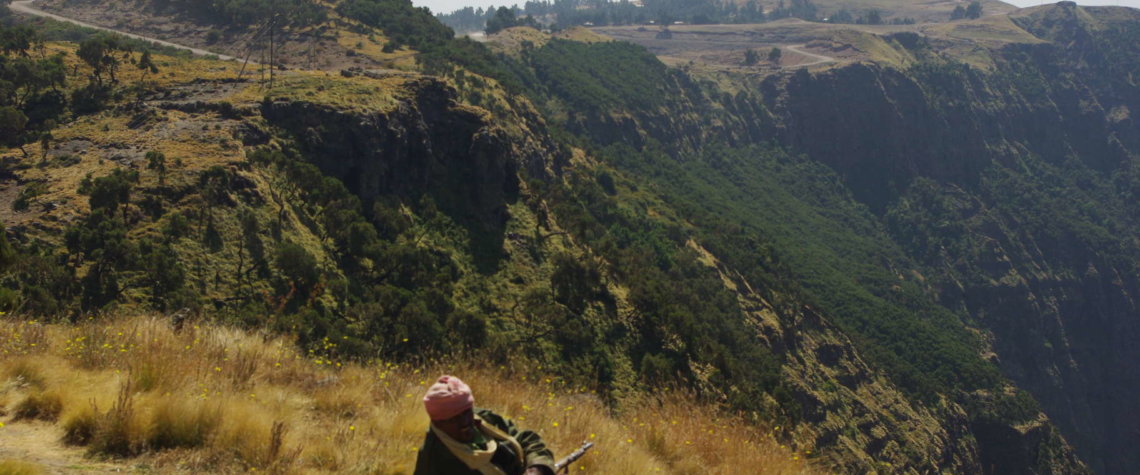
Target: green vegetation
802, 217
625, 265
567, 13
401, 22
505, 18
686, 317
751, 57
31, 100
972, 11
414, 27
600, 76
840, 255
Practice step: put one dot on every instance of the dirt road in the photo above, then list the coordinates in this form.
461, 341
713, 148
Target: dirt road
25, 6
819, 59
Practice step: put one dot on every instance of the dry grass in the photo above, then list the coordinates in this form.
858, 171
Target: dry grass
16, 467
358, 93
216, 399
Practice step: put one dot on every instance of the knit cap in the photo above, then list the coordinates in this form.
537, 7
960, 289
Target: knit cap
448, 398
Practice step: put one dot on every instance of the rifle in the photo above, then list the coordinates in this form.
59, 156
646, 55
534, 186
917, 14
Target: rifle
564, 464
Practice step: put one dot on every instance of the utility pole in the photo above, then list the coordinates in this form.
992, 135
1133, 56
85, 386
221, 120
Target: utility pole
272, 49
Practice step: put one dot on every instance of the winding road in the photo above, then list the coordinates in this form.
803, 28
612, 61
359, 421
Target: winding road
25, 7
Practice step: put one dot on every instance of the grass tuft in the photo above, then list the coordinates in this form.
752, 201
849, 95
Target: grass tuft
79, 424
23, 371
42, 405
119, 431
181, 423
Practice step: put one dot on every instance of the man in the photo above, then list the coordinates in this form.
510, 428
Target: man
463, 440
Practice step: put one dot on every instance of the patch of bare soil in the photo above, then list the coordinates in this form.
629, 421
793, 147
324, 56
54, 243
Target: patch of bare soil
38, 443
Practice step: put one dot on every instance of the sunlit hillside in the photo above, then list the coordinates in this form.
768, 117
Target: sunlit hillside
135, 393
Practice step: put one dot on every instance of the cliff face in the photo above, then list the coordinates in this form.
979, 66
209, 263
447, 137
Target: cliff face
1013, 188
426, 144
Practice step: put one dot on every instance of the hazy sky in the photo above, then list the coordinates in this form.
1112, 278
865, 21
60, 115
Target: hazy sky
448, 6
1032, 3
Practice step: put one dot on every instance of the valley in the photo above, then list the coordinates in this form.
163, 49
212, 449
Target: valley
889, 247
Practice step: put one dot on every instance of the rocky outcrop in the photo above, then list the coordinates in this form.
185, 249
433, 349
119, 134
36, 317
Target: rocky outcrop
426, 144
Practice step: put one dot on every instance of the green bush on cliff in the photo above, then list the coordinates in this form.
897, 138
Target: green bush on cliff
687, 318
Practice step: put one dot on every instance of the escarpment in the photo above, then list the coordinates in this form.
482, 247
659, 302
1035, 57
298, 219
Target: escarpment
1013, 189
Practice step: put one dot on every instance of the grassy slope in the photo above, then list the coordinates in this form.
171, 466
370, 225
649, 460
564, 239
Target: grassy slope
207, 399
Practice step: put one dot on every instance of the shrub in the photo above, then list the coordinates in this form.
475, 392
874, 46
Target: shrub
28, 194
42, 405
297, 265
249, 435
90, 99
79, 424
119, 431
176, 225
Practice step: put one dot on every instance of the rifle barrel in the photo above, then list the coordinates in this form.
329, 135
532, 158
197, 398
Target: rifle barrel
577, 454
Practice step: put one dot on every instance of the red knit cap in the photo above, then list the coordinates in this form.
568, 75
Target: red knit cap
448, 398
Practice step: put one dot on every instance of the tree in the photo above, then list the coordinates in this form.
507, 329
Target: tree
842, 16
751, 57
958, 13
7, 253
212, 238
874, 17
156, 161
146, 64
162, 270
99, 53
974, 10
215, 184
12, 123
45, 142
575, 282
297, 266
775, 55
112, 191
504, 18
17, 39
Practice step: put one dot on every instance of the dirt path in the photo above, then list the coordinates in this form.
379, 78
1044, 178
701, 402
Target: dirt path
819, 59
25, 6
38, 443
